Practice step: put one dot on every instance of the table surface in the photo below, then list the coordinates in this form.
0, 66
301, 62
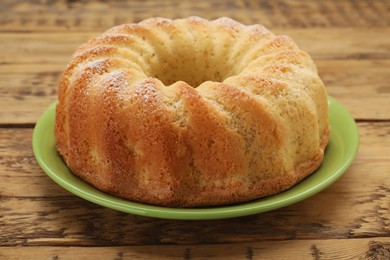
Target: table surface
350, 43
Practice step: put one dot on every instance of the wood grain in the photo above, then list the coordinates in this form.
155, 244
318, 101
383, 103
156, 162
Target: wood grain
360, 85
355, 74
70, 221
29, 196
378, 248
92, 15
21, 175
321, 43
349, 41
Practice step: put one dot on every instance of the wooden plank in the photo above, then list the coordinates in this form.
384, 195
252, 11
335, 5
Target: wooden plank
21, 175
321, 43
377, 248
360, 85
92, 15
342, 43
71, 221
41, 48
26, 90
350, 208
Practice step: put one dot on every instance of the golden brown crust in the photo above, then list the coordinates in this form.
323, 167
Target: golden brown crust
191, 112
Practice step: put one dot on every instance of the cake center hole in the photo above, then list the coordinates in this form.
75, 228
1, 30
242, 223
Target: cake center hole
193, 67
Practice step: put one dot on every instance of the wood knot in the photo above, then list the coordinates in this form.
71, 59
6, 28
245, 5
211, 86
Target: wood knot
378, 250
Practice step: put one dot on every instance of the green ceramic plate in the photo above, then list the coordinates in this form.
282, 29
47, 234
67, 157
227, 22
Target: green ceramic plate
342, 148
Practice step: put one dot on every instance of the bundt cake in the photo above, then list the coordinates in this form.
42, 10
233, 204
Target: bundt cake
191, 112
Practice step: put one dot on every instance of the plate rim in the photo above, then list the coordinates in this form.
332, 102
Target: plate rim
217, 212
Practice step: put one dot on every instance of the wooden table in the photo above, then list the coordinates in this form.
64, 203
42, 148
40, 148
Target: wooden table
350, 43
